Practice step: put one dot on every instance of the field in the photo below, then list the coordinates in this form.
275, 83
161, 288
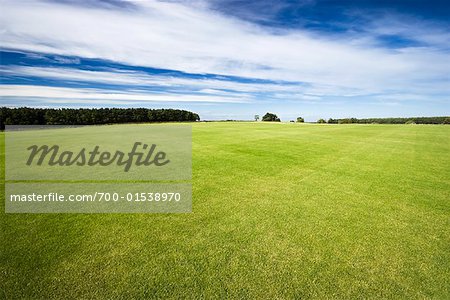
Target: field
279, 211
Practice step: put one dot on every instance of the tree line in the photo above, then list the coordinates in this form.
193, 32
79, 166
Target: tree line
413, 120
271, 117
91, 116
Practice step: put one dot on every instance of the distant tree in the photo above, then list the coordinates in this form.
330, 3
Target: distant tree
269, 117
345, 121
410, 122
83, 116
416, 120
300, 120
256, 118
332, 121
321, 121
446, 121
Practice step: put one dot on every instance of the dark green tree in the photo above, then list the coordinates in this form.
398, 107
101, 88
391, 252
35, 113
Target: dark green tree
332, 121
269, 117
83, 116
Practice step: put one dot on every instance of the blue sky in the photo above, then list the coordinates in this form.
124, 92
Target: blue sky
229, 59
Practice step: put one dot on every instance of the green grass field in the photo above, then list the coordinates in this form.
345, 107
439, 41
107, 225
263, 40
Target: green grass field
279, 211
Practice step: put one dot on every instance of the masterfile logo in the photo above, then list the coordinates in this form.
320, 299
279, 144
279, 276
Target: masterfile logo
53, 155
109, 152
98, 169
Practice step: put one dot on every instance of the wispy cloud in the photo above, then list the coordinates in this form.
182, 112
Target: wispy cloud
87, 94
136, 78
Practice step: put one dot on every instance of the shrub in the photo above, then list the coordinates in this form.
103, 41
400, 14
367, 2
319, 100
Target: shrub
300, 120
321, 121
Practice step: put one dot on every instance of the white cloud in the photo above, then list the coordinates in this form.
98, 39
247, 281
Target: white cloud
171, 35
124, 97
133, 78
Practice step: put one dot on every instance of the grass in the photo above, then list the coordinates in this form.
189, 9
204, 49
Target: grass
279, 211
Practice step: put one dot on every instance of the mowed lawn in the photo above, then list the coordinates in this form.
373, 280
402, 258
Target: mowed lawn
279, 211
